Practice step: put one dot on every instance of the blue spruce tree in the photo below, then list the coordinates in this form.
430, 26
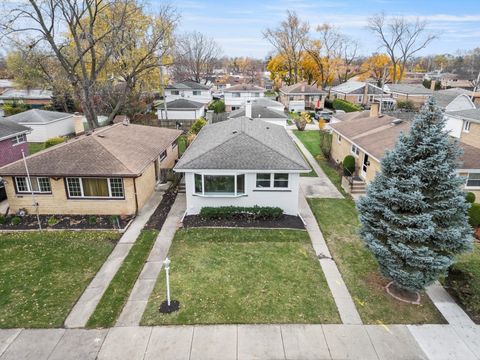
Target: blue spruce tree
414, 216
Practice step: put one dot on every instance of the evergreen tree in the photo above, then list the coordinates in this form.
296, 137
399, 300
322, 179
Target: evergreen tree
414, 216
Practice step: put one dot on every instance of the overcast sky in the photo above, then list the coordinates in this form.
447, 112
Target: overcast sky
237, 25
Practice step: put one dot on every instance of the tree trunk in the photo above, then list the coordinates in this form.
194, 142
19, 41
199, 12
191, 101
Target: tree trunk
88, 107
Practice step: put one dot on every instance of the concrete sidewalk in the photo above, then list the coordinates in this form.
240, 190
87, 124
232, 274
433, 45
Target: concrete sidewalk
87, 303
137, 301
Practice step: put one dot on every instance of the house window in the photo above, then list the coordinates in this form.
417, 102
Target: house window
95, 188
291, 98
174, 144
355, 150
236, 95
371, 98
473, 180
19, 139
175, 92
268, 181
466, 126
339, 138
256, 94
197, 92
360, 98
231, 185
163, 155
38, 184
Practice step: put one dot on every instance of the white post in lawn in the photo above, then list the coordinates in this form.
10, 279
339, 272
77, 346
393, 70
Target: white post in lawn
167, 268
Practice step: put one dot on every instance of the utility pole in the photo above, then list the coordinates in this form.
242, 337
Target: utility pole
162, 92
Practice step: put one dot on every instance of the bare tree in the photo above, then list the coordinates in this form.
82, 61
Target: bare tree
289, 39
195, 56
401, 39
348, 50
84, 36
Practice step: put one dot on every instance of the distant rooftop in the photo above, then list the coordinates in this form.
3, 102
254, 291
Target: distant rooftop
33, 94
259, 111
182, 104
244, 88
37, 116
10, 128
410, 89
187, 85
301, 88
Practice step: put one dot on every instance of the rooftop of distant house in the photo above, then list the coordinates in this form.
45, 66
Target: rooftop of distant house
10, 129
187, 85
245, 88
301, 88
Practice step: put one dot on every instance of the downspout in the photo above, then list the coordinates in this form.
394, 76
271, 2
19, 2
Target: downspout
136, 197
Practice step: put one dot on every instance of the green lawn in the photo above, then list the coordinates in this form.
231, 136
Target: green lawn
117, 293
230, 276
311, 140
464, 282
35, 147
338, 221
43, 274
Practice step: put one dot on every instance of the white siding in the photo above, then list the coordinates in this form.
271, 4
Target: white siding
284, 199
181, 114
460, 103
230, 100
43, 132
205, 96
454, 126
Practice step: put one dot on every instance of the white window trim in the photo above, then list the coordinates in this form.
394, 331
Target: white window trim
95, 197
161, 154
234, 195
359, 98
354, 153
29, 185
17, 142
470, 187
272, 183
466, 126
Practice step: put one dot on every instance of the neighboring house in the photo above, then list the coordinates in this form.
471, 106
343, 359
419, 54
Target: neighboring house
112, 171
242, 162
6, 84
301, 96
188, 90
34, 97
367, 140
45, 124
180, 111
269, 103
416, 93
465, 125
453, 100
254, 111
237, 95
357, 92
13, 139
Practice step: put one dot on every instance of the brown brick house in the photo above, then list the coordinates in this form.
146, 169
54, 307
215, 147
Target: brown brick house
112, 171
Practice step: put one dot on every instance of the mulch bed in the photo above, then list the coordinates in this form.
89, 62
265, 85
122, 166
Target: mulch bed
67, 222
284, 222
161, 212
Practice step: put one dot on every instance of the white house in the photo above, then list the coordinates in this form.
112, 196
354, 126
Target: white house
242, 162
181, 111
259, 112
190, 90
237, 95
301, 96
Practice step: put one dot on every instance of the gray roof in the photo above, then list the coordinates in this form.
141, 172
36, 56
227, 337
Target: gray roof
181, 104
470, 114
444, 99
9, 128
243, 144
267, 102
259, 111
355, 87
244, 88
301, 88
37, 94
410, 89
37, 116
187, 85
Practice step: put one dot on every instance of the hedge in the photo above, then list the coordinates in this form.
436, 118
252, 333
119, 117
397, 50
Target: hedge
198, 125
231, 212
54, 141
339, 104
470, 197
474, 214
348, 165
218, 106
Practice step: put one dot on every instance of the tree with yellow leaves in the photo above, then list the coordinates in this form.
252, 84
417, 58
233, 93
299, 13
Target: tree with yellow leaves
376, 67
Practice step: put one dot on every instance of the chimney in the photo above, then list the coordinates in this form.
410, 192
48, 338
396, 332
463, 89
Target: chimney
374, 109
78, 124
432, 85
248, 109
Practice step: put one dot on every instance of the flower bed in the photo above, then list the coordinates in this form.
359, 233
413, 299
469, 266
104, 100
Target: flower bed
239, 221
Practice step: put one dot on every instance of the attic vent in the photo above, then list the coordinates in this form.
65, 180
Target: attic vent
397, 121
234, 132
268, 127
101, 136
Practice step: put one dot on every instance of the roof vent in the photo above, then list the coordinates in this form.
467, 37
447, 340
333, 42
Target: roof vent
234, 132
101, 136
268, 127
397, 121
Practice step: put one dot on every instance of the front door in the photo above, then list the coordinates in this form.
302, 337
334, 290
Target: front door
365, 164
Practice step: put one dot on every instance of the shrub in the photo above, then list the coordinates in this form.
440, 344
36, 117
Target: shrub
325, 143
54, 141
348, 165
15, 107
406, 105
470, 197
92, 220
231, 212
328, 103
16, 220
52, 220
474, 214
218, 106
2, 219
198, 125
347, 106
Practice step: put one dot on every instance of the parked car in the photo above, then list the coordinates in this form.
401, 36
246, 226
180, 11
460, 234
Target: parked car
323, 114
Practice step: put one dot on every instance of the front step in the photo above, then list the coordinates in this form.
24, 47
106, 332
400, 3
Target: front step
181, 188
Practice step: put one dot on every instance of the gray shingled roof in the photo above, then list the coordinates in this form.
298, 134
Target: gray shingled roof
471, 114
37, 94
116, 150
259, 111
355, 87
410, 89
444, 99
301, 88
187, 84
243, 144
36, 116
9, 128
244, 88
181, 104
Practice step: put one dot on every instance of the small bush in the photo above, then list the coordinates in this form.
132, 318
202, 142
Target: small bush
54, 141
218, 106
198, 125
339, 104
348, 165
92, 220
15, 107
406, 105
2, 219
232, 212
114, 220
329, 103
52, 220
16, 220
470, 197
474, 214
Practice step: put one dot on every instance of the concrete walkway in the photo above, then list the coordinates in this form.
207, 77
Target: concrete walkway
319, 186
87, 303
137, 301
345, 305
